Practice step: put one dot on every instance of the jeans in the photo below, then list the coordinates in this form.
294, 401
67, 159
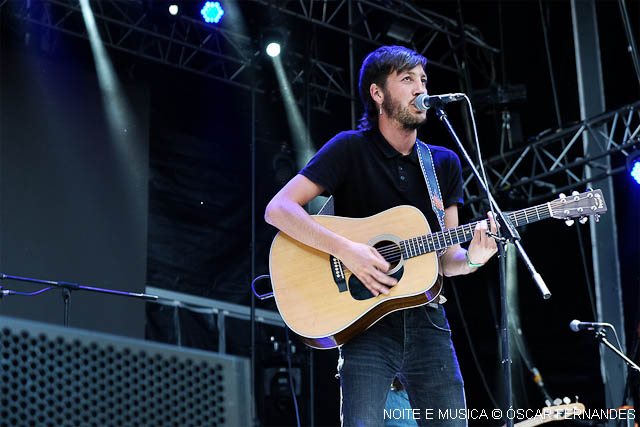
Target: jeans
398, 411
414, 345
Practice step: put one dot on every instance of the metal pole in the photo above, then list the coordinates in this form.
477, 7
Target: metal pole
504, 333
66, 297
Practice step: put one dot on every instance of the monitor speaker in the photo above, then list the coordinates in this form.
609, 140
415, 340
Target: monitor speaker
51, 375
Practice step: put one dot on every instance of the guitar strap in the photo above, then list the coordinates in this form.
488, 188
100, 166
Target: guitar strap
327, 208
430, 177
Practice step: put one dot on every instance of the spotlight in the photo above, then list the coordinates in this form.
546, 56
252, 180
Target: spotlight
633, 165
173, 9
212, 12
273, 41
273, 49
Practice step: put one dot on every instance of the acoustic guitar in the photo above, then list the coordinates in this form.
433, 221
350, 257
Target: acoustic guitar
326, 305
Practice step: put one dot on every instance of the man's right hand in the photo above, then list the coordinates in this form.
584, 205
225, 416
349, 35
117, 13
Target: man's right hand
369, 266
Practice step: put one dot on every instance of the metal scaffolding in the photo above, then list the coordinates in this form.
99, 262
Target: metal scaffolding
432, 35
555, 161
188, 44
183, 43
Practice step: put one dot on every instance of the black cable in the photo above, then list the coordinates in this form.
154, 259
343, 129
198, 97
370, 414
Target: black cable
473, 352
293, 390
630, 39
503, 65
6, 292
559, 120
553, 81
586, 273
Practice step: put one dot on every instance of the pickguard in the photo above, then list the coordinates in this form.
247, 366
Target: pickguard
360, 292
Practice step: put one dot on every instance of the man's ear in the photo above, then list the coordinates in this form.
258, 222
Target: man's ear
376, 93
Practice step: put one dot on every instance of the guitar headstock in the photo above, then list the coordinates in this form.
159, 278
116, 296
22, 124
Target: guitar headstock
553, 413
578, 205
561, 412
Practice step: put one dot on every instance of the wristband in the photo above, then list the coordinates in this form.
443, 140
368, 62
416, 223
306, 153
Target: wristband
469, 263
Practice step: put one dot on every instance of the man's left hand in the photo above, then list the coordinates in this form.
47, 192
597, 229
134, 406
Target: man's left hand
482, 246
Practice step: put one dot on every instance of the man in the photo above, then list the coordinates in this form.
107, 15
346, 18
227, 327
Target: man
368, 171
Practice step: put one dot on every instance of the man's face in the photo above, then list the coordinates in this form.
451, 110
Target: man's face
400, 93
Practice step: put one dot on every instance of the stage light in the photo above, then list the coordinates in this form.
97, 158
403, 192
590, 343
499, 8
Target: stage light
273, 40
212, 12
174, 9
633, 165
273, 49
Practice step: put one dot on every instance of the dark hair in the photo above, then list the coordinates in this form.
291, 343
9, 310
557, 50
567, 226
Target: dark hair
377, 66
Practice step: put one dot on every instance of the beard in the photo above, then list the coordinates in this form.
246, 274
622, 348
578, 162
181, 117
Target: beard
401, 114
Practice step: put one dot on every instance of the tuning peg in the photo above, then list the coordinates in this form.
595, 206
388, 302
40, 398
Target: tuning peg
589, 189
569, 222
583, 219
566, 400
575, 193
562, 196
596, 218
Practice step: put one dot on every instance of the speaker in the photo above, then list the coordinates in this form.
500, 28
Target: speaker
51, 375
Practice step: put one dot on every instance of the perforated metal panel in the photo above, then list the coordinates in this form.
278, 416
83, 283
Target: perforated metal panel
52, 375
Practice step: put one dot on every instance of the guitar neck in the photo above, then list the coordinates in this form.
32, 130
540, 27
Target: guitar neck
443, 239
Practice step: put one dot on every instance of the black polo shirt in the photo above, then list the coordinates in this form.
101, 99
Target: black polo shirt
366, 175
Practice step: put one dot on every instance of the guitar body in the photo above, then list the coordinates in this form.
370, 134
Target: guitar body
309, 298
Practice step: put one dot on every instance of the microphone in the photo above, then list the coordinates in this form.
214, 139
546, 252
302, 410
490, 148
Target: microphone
577, 325
424, 101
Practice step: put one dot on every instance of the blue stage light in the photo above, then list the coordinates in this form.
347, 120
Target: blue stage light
212, 12
635, 170
633, 165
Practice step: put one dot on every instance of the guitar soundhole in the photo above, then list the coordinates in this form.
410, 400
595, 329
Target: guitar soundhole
391, 251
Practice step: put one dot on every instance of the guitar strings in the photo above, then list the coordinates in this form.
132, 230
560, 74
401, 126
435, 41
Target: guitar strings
393, 252
440, 236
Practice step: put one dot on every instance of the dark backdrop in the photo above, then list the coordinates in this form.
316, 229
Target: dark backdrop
71, 211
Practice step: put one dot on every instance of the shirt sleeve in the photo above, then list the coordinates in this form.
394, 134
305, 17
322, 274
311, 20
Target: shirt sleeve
453, 193
328, 166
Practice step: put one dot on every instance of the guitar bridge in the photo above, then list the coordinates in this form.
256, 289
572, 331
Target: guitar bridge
338, 273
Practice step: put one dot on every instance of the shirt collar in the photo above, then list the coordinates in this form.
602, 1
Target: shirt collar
387, 149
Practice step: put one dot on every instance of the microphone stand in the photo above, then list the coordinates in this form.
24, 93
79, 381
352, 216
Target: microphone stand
67, 287
506, 233
602, 338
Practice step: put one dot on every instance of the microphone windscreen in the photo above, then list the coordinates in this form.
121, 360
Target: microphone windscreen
575, 325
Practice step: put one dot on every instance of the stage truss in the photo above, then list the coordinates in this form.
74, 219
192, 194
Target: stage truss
144, 30
555, 162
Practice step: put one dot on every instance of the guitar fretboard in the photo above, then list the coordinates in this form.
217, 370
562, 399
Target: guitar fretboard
443, 239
